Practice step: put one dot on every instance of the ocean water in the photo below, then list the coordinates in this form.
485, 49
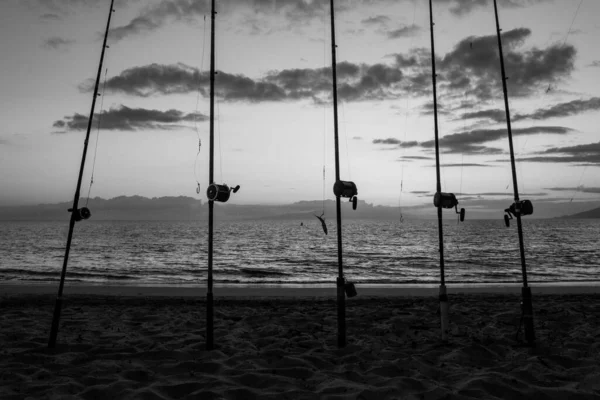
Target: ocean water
159, 252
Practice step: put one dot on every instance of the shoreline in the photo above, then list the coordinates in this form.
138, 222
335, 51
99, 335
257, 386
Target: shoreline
294, 290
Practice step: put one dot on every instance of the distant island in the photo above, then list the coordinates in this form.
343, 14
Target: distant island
595, 213
136, 208
183, 208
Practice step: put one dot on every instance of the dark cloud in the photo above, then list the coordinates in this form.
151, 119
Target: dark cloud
419, 192
157, 15
410, 158
50, 17
376, 20
404, 31
156, 79
580, 188
56, 43
474, 65
579, 159
129, 119
356, 82
595, 64
510, 194
583, 154
590, 148
387, 141
427, 108
566, 109
463, 7
179, 78
473, 142
573, 107
493, 115
59, 8
357, 138
464, 165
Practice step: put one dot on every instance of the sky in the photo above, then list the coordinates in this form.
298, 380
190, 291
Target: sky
273, 111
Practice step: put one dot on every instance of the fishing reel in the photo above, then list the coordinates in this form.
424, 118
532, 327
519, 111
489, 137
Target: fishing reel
522, 208
220, 192
346, 189
448, 200
82, 213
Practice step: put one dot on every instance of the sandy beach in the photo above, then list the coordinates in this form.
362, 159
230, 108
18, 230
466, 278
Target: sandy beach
133, 345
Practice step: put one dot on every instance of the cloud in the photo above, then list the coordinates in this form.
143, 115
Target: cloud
493, 115
157, 15
357, 138
565, 109
129, 119
356, 82
66, 7
591, 148
156, 79
587, 154
473, 142
404, 31
410, 158
463, 165
463, 7
376, 20
595, 63
473, 65
427, 108
57, 43
580, 188
387, 141
50, 17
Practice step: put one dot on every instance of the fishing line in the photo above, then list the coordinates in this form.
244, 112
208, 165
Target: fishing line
219, 136
97, 138
567, 36
572, 22
346, 138
578, 185
219, 120
341, 101
405, 125
324, 106
196, 110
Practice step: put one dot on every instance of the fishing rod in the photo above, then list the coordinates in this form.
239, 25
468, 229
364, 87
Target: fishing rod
345, 189
440, 200
214, 192
518, 208
77, 214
